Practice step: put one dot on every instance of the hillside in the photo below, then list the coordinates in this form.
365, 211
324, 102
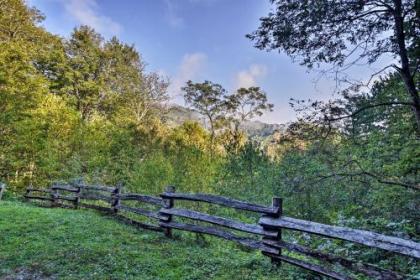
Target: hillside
55, 243
178, 114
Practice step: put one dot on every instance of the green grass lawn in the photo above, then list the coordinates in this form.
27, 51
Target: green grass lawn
55, 243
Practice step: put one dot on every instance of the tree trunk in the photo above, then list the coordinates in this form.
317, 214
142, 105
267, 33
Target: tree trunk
212, 134
412, 90
404, 71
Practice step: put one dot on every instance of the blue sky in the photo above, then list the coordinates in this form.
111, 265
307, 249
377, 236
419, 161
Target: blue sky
197, 40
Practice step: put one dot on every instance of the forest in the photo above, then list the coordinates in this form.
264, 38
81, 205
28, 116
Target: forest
87, 107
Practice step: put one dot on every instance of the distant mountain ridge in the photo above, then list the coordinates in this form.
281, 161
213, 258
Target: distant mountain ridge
178, 114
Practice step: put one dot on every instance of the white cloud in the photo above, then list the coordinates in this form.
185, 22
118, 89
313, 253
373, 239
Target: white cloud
249, 77
86, 12
172, 16
190, 68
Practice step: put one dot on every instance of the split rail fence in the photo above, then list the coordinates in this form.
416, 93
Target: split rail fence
266, 235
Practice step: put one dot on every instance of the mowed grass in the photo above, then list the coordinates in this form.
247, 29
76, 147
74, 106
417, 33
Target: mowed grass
61, 243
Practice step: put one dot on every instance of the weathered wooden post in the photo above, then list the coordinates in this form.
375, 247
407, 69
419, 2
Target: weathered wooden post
167, 204
115, 201
2, 189
28, 192
54, 195
277, 205
77, 185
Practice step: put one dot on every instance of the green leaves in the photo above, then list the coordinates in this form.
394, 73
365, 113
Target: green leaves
222, 109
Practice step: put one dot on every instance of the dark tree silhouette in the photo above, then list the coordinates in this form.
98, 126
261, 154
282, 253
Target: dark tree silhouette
335, 32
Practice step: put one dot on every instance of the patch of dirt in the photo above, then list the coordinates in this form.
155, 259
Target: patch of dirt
27, 274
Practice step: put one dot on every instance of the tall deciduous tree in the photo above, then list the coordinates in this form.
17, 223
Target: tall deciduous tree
108, 78
247, 103
84, 80
23, 47
122, 74
208, 99
335, 32
145, 101
18, 22
244, 105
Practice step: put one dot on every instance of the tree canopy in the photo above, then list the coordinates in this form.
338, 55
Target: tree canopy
343, 33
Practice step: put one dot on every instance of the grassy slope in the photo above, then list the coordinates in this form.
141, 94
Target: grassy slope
82, 244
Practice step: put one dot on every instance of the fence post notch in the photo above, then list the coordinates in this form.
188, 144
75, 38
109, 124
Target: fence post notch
77, 185
277, 205
168, 203
115, 202
54, 195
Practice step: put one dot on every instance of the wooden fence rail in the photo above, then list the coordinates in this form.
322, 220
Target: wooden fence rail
220, 200
266, 235
371, 239
220, 221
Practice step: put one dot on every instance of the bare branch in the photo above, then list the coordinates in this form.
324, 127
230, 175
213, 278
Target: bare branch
368, 107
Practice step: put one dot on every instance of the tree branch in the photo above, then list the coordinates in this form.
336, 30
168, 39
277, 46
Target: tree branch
362, 172
368, 107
